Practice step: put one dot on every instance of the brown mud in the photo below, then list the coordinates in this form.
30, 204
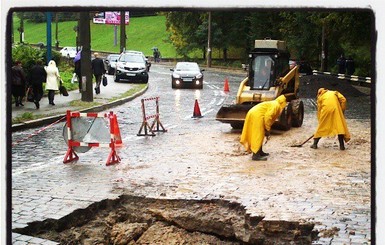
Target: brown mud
139, 220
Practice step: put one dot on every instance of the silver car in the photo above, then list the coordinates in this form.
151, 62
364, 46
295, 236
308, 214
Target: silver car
131, 66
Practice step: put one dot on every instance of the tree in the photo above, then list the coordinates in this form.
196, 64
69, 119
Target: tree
182, 27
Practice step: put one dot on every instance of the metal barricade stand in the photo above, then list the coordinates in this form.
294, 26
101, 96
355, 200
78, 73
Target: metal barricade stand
115, 137
149, 130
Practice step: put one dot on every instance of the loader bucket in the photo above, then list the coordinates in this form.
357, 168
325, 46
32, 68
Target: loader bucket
233, 114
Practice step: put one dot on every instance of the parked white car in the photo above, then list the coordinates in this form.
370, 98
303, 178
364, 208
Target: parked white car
68, 52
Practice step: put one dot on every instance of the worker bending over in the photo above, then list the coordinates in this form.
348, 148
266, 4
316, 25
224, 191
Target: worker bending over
258, 122
331, 106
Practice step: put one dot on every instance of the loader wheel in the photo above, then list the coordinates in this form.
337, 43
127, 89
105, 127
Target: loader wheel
285, 120
298, 113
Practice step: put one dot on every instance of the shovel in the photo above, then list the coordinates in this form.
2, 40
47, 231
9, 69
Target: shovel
300, 145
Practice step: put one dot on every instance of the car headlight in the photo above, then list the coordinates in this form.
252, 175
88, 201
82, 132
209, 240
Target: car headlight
174, 75
199, 76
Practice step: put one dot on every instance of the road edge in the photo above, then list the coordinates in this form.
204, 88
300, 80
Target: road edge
52, 119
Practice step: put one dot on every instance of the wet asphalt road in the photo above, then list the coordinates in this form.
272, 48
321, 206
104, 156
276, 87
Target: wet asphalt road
176, 111
169, 164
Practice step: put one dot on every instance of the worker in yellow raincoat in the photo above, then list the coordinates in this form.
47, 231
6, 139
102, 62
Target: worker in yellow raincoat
258, 122
331, 120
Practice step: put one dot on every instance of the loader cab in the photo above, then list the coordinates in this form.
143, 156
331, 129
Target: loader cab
265, 68
261, 72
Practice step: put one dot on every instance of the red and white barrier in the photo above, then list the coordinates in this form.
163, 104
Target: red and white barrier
116, 139
149, 130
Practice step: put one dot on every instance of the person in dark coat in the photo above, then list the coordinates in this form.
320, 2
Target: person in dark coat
98, 71
350, 66
341, 62
38, 76
18, 83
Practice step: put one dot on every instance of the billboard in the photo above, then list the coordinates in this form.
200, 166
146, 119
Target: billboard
110, 18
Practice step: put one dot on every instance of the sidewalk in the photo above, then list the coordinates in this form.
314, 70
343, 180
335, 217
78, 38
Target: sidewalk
49, 113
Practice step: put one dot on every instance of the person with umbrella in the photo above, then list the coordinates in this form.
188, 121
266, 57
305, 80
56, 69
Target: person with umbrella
78, 69
156, 54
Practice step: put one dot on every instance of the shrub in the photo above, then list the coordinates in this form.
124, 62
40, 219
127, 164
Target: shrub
28, 56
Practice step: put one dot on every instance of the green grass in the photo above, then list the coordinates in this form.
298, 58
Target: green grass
143, 33
130, 92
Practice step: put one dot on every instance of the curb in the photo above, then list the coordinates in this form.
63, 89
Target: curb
51, 119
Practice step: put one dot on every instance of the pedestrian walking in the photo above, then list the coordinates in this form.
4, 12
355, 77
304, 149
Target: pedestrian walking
78, 69
341, 62
156, 54
53, 78
258, 122
331, 106
98, 71
37, 77
18, 83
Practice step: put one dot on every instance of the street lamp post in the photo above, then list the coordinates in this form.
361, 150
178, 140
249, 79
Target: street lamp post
209, 41
122, 31
49, 36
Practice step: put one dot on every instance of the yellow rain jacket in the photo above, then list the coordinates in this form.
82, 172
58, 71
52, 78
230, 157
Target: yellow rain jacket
331, 120
258, 119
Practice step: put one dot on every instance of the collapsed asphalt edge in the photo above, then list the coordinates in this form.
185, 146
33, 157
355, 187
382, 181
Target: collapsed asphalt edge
51, 119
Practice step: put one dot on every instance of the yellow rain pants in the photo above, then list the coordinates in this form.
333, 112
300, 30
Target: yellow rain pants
259, 119
331, 120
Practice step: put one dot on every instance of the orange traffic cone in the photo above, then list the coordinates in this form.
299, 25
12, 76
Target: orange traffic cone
226, 87
197, 111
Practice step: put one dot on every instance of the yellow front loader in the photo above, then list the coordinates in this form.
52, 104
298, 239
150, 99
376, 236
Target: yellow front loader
269, 76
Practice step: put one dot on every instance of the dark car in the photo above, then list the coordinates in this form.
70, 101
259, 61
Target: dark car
187, 75
110, 63
131, 66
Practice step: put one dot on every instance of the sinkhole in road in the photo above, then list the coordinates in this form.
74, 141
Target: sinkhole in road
140, 220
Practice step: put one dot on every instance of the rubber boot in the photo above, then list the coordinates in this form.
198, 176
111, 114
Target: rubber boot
51, 96
341, 140
258, 157
20, 101
315, 143
263, 154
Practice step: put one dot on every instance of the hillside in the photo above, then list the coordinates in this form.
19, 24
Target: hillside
143, 33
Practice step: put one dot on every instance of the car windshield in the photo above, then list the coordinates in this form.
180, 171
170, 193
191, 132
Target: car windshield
131, 58
187, 67
113, 57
